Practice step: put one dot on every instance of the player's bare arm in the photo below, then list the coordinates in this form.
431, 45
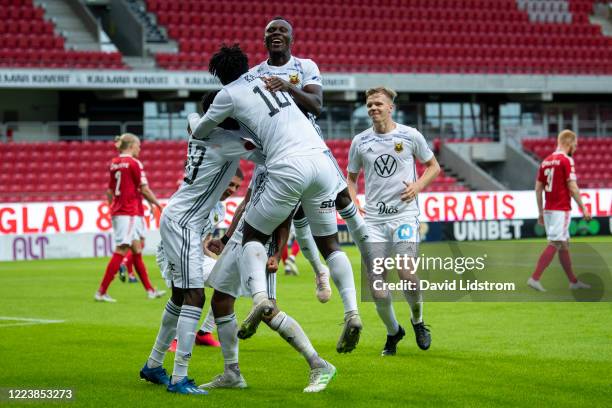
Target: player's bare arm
575, 193
539, 189
352, 189
216, 245
205, 247
309, 98
432, 169
109, 196
150, 196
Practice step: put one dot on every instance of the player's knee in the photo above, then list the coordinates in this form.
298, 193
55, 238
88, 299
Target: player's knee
122, 249
222, 304
557, 244
177, 296
267, 318
299, 214
327, 245
194, 297
343, 199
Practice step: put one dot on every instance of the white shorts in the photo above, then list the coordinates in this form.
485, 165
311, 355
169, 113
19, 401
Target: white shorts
225, 276
183, 249
556, 224
127, 229
312, 179
399, 236
162, 263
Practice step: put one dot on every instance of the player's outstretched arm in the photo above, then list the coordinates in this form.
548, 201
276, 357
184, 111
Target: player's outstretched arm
432, 169
220, 109
575, 193
539, 189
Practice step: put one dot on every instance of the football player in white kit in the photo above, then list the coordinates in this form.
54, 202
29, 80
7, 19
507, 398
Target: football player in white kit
228, 283
301, 79
298, 169
204, 336
387, 152
212, 162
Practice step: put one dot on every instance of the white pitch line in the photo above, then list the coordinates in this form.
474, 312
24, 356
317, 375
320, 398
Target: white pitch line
25, 321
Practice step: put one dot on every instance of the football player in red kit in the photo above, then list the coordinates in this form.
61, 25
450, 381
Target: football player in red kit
127, 186
557, 180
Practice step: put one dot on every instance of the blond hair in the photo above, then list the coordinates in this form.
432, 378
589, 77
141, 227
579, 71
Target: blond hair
391, 94
125, 140
566, 138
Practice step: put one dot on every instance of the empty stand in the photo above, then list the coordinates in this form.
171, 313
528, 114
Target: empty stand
426, 36
592, 159
72, 171
28, 40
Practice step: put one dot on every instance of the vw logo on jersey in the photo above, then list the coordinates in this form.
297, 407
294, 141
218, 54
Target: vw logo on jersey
404, 231
385, 165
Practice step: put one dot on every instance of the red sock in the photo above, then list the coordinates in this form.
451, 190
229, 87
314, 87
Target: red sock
111, 271
566, 262
295, 248
284, 254
141, 270
129, 263
547, 256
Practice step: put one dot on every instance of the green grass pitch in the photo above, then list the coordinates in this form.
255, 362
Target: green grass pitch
483, 354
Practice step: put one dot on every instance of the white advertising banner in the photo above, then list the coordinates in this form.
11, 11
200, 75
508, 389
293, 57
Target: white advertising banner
83, 229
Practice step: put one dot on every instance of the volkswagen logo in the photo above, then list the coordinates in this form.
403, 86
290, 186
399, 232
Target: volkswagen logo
385, 165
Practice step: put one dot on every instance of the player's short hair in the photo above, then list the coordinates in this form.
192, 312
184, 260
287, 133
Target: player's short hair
239, 173
383, 90
228, 63
207, 100
566, 137
275, 18
124, 141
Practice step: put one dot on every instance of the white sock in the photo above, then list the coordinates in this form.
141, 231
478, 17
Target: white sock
384, 308
166, 333
208, 326
186, 331
293, 334
227, 329
342, 274
307, 244
253, 265
355, 225
415, 300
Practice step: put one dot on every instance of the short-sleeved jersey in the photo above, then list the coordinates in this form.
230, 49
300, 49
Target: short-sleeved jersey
555, 172
273, 120
297, 71
388, 160
126, 177
211, 164
216, 216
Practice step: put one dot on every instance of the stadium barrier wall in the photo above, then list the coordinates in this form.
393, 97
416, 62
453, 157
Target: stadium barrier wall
83, 229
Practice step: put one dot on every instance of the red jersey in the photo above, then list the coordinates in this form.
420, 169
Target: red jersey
555, 171
126, 177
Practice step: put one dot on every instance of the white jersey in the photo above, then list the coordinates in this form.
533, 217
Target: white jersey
273, 120
388, 160
299, 72
216, 216
211, 165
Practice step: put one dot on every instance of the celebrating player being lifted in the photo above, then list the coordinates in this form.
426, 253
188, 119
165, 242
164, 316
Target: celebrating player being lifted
301, 79
386, 152
213, 161
298, 169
